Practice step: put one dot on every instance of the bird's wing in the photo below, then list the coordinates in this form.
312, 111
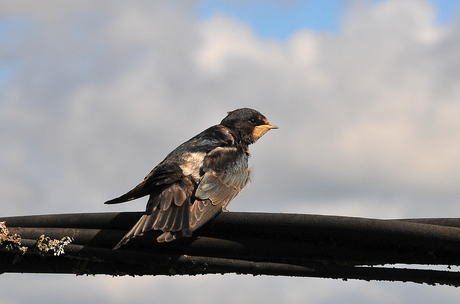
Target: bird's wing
163, 174
169, 171
226, 174
168, 210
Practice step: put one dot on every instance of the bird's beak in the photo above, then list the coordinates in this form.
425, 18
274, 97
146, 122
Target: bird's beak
270, 127
259, 131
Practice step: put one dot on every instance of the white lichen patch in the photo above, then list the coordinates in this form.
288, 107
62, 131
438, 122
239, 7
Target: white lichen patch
45, 244
10, 241
3, 229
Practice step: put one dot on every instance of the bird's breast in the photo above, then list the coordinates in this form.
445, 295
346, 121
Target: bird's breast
191, 164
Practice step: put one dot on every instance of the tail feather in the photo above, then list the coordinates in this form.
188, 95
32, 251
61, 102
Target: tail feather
124, 198
118, 200
174, 223
137, 192
167, 237
137, 230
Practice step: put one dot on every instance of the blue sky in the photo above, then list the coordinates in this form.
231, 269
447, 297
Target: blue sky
278, 19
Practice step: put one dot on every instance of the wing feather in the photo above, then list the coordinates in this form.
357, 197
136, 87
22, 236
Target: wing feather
226, 174
180, 196
173, 206
168, 210
165, 199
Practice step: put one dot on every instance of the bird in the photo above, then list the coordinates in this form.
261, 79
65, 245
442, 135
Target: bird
198, 179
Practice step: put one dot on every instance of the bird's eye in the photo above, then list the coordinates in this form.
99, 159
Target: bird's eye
252, 120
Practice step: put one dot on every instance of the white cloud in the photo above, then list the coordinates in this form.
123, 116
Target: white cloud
225, 42
368, 123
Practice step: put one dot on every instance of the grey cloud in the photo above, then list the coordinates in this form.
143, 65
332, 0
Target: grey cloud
101, 93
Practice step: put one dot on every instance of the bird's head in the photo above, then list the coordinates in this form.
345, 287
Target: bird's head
247, 125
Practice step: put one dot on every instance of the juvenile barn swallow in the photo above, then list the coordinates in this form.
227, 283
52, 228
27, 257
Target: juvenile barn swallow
198, 179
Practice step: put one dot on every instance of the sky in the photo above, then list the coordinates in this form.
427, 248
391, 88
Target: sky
365, 93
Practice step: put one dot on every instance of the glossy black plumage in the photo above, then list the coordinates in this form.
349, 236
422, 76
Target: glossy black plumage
198, 179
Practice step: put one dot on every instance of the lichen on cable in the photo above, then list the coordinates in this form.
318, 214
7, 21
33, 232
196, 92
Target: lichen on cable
45, 244
10, 241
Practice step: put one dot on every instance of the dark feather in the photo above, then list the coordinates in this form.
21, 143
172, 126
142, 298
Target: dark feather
226, 175
198, 179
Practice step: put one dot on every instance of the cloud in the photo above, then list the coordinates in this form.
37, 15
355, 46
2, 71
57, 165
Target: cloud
99, 94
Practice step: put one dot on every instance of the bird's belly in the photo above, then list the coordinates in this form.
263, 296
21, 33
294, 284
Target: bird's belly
192, 163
